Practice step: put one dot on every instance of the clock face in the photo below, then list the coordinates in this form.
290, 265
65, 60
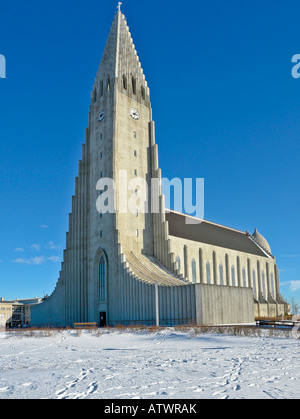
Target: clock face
101, 116
134, 114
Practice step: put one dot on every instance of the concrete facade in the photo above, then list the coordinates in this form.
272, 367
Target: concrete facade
223, 305
113, 261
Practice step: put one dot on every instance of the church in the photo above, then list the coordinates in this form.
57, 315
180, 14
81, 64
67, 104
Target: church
147, 268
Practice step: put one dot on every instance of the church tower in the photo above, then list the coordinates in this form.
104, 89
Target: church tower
118, 137
121, 138
119, 121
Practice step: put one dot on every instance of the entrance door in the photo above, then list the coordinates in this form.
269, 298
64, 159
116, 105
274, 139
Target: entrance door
103, 319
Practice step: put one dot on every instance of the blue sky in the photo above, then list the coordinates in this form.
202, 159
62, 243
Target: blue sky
225, 105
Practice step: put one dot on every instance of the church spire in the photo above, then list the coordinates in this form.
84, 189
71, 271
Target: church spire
120, 60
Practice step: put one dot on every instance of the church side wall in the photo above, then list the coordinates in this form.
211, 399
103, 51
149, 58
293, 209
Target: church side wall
202, 263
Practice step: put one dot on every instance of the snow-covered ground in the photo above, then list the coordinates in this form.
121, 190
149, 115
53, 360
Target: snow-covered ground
163, 365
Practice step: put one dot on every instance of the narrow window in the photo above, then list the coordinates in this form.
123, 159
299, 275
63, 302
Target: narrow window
134, 85
95, 95
136, 212
101, 234
207, 272
135, 153
101, 88
233, 276
194, 271
136, 233
244, 278
134, 134
102, 279
125, 82
178, 263
101, 136
143, 92
221, 269
108, 84
135, 172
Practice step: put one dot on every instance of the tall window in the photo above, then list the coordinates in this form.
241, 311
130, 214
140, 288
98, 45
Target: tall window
125, 82
102, 279
194, 271
233, 276
244, 278
208, 280
221, 274
134, 85
178, 262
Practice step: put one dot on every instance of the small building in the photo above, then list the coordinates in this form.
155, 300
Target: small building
16, 313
